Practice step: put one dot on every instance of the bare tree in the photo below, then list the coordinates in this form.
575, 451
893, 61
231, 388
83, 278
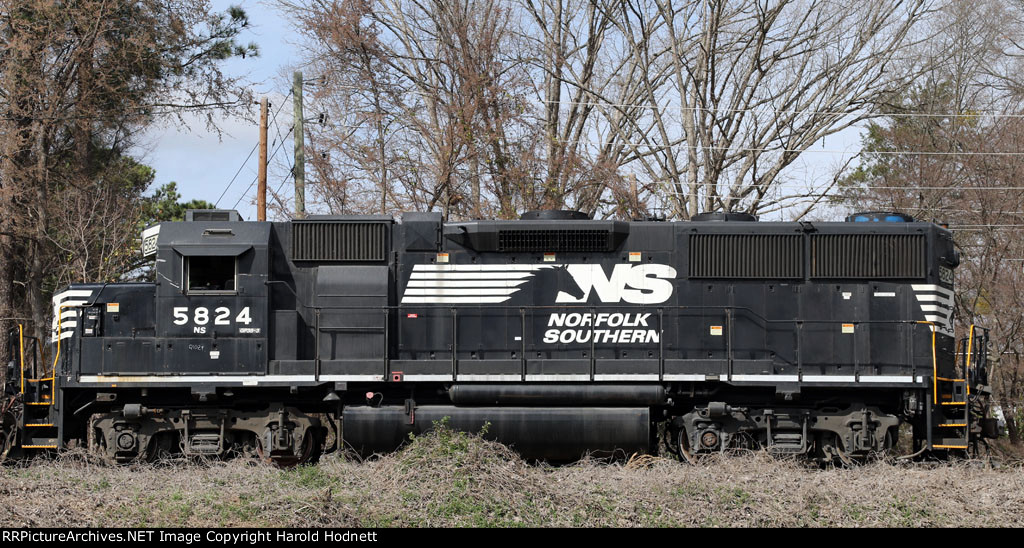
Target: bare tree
77, 82
556, 103
429, 101
949, 151
754, 84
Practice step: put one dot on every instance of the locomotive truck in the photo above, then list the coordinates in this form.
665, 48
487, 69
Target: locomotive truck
560, 334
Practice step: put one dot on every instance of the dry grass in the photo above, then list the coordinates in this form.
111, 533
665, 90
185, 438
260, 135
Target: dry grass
450, 479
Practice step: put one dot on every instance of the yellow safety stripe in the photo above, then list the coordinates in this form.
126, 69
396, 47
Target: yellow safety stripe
38, 446
949, 447
40, 424
954, 425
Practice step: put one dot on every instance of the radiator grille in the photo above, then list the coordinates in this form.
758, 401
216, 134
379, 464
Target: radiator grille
874, 256
334, 241
554, 240
746, 256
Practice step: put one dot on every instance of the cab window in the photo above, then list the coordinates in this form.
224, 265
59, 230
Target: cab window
211, 274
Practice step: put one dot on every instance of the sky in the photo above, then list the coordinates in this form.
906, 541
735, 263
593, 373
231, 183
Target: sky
205, 164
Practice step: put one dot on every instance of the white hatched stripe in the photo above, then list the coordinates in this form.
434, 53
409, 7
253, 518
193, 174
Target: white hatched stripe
69, 314
934, 299
72, 293
941, 301
478, 267
424, 378
466, 283
470, 275
931, 287
454, 300
493, 291
65, 299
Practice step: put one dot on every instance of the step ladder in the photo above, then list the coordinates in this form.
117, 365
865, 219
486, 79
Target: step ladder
38, 428
952, 420
951, 417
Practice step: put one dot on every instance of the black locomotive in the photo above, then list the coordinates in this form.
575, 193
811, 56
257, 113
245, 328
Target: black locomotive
559, 333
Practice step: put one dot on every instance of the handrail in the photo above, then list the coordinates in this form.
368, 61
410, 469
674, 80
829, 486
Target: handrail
56, 356
935, 365
21, 348
967, 366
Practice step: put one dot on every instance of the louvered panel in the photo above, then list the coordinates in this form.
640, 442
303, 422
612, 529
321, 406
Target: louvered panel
339, 242
868, 256
554, 240
746, 256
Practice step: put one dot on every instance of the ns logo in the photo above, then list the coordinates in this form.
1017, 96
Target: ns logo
634, 284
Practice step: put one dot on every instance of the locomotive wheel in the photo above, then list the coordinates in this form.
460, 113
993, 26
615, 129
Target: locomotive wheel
309, 453
160, 447
680, 444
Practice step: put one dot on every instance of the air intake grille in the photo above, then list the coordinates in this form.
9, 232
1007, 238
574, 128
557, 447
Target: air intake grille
343, 242
746, 256
211, 216
554, 240
873, 256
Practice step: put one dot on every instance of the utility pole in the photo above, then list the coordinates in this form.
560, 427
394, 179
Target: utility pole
261, 192
634, 196
300, 149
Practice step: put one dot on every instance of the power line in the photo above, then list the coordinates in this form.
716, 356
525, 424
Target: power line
976, 114
852, 189
232, 181
291, 168
272, 155
782, 150
244, 162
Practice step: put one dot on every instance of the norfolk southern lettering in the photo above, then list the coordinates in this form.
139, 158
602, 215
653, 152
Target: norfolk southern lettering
616, 327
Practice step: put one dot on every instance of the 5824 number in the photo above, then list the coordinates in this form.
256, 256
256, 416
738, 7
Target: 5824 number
201, 316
